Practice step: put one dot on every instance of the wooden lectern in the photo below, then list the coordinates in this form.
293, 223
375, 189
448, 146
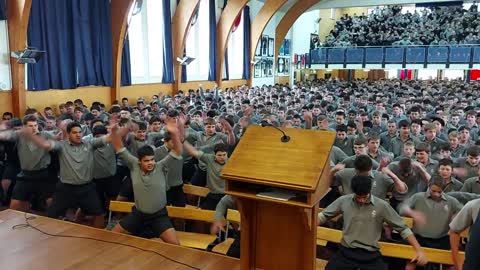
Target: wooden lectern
279, 234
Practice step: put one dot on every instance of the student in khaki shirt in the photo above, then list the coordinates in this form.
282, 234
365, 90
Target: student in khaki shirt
445, 170
364, 215
431, 211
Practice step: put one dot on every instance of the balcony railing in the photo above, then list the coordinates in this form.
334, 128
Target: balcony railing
460, 56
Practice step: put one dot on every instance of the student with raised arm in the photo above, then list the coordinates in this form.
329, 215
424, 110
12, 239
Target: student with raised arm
149, 186
431, 211
364, 215
76, 188
214, 163
34, 179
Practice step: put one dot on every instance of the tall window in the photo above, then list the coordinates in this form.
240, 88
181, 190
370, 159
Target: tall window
146, 43
235, 51
198, 45
5, 81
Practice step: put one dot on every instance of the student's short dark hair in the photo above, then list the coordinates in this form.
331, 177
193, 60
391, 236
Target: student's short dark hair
142, 125
404, 165
418, 122
445, 162
220, 147
123, 99
437, 180
99, 130
211, 114
403, 123
361, 185
351, 124
78, 101
341, 113
445, 147
29, 118
78, 109
172, 113
154, 119
115, 109
363, 163
30, 111
473, 151
341, 128
72, 125
167, 136
360, 141
96, 120
422, 147
144, 151
95, 107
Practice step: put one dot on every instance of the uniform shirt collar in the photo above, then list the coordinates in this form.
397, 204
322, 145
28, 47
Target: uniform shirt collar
429, 195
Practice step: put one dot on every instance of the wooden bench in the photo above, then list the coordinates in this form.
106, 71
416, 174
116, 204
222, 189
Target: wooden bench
393, 250
187, 239
200, 192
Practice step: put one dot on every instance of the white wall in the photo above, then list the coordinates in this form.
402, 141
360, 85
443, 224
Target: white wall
5, 78
301, 30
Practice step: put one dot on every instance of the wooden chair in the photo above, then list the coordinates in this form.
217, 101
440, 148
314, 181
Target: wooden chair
190, 239
200, 192
187, 239
393, 250
233, 216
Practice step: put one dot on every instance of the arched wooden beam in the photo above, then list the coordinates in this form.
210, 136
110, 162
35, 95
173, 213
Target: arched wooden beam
258, 25
119, 10
288, 20
180, 26
224, 28
18, 14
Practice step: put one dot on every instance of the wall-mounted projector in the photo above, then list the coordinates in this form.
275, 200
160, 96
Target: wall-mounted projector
28, 56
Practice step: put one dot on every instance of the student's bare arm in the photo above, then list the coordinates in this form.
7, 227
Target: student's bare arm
229, 130
173, 129
400, 186
454, 245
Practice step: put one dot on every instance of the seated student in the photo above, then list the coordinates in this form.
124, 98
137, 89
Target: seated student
364, 215
431, 138
431, 211
445, 171
214, 163
464, 137
175, 194
408, 151
374, 151
227, 202
469, 163
467, 216
411, 173
76, 188
149, 186
360, 148
382, 182
472, 185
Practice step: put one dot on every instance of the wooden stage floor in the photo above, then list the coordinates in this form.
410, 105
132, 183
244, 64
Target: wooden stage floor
26, 248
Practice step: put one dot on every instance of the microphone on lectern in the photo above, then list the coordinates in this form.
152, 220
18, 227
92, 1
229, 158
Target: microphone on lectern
284, 138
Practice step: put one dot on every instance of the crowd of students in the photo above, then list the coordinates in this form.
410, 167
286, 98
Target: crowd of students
387, 26
401, 147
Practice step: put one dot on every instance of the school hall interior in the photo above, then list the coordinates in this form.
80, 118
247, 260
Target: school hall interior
237, 134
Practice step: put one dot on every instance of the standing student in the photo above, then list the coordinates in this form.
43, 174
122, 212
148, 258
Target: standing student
469, 163
149, 186
175, 194
364, 215
214, 163
76, 188
432, 212
205, 141
34, 179
467, 216
472, 185
445, 170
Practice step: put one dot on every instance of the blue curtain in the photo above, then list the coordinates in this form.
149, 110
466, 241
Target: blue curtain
77, 38
167, 44
93, 41
3, 10
126, 74
246, 43
212, 72
50, 28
